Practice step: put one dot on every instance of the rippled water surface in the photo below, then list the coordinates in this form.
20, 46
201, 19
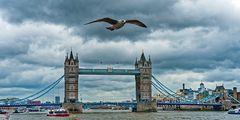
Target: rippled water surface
160, 115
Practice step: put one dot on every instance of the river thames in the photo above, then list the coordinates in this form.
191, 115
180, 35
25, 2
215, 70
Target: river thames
160, 115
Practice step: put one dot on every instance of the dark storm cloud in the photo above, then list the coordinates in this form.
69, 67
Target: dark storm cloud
75, 13
157, 14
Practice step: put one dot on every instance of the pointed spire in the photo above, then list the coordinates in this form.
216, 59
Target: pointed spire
66, 57
149, 60
76, 56
136, 61
71, 55
143, 57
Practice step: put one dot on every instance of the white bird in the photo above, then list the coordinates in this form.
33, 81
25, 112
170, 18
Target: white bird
116, 24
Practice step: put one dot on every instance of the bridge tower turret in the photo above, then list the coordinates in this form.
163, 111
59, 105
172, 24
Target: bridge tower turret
71, 70
144, 85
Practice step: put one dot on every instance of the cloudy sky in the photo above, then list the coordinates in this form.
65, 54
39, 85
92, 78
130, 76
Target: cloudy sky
189, 41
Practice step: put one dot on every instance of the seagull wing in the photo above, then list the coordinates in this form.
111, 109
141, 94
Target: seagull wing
136, 22
108, 20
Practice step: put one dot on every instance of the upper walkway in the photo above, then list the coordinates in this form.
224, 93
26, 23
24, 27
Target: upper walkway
108, 71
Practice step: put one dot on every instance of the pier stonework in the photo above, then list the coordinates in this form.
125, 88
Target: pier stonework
71, 70
144, 86
74, 108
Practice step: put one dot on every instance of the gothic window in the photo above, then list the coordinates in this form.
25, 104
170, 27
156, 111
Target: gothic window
145, 78
71, 87
71, 95
146, 87
71, 80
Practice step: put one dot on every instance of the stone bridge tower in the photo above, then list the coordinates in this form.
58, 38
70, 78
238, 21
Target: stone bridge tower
144, 85
71, 70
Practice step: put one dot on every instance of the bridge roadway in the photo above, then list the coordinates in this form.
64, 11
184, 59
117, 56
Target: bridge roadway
128, 104
108, 71
190, 104
29, 105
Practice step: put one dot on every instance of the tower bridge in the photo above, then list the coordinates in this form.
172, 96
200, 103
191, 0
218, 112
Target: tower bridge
142, 73
144, 80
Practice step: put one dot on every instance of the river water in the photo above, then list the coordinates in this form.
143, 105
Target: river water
160, 115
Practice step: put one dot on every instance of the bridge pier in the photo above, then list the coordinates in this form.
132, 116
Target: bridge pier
75, 108
144, 86
147, 106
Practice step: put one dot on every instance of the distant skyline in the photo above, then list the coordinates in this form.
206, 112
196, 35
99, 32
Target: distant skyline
188, 41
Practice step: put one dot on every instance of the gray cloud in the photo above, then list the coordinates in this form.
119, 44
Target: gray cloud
75, 13
188, 41
157, 14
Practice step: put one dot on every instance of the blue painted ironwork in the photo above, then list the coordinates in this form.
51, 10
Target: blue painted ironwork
169, 93
41, 92
157, 84
236, 100
28, 105
47, 90
191, 104
109, 71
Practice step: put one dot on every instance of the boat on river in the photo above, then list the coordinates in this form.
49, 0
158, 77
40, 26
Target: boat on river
234, 111
58, 113
2, 112
35, 111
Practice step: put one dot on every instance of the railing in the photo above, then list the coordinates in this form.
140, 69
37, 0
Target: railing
191, 104
109, 71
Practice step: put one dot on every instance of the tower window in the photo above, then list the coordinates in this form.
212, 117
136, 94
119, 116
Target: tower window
71, 87
71, 95
71, 80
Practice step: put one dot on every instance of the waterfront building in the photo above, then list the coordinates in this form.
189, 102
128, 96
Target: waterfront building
235, 93
187, 93
202, 88
202, 92
229, 92
57, 99
238, 95
219, 89
162, 98
219, 94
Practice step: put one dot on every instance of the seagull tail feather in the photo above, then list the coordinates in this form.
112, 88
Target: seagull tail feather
110, 28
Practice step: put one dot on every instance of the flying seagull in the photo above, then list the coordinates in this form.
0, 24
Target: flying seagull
116, 24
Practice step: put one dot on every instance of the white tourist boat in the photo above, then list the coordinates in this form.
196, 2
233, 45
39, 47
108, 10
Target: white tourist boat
58, 113
234, 111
